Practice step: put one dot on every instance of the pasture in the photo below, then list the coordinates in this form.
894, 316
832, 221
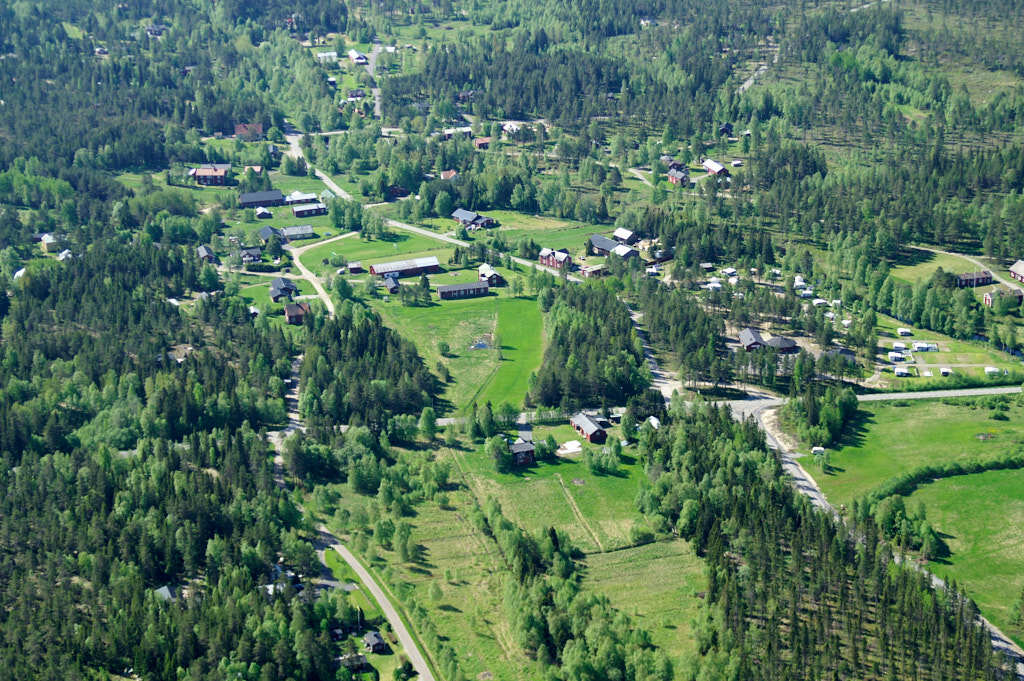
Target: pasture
980, 517
890, 439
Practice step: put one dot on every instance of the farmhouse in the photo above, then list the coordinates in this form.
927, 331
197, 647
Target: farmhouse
522, 451
250, 254
271, 197
406, 268
750, 339
295, 313
588, 428
1017, 270
374, 642
678, 176
714, 168
206, 175
299, 197
552, 258
449, 174
51, 243
205, 254
282, 288
298, 232
1002, 293
624, 236
982, 278
306, 210
358, 58
471, 220
600, 245
482, 143
471, 290
488, 275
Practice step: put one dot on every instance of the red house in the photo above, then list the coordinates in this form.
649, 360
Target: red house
551, 258
588, 428
249, 131
1017, 270
295, 313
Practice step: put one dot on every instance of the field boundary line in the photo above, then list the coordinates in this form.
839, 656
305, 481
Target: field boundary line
579, 514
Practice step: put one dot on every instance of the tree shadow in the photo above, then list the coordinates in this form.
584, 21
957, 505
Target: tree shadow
448, 608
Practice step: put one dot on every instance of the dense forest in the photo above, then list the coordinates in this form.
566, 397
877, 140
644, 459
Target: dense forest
794, 593
593, 356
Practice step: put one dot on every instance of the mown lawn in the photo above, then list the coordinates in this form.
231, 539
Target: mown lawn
657, 585
890, 440
981, 518
259, 294
476, 374
399, 245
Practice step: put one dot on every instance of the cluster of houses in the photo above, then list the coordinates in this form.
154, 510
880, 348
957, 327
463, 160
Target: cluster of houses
472, 221
303, 204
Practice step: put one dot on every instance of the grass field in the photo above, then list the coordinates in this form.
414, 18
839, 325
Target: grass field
657, 585
596, 511
259, 293
981, 517
398, 246
476, 374
925, 263
891, 439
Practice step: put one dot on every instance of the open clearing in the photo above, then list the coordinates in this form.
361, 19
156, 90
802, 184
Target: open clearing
925, 263
981, 517
656, 584
476, 374
890, 440
596, 511
397, 246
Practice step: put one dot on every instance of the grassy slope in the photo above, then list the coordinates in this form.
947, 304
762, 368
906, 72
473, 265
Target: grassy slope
476, 374
657, 585
545, 494
981, 517
891, 440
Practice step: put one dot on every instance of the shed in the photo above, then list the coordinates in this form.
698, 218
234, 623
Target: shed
473, 289
624, 236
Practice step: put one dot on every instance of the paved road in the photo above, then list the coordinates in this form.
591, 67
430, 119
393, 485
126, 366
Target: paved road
371, 68
977, 263
332, 185
408, 643
933, 394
